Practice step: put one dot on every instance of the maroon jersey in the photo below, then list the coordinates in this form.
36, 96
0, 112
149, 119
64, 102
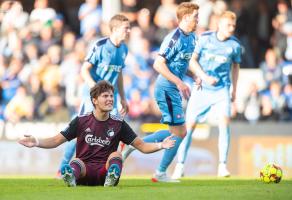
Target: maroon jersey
96, 140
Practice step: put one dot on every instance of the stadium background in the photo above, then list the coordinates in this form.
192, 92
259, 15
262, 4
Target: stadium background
41, 55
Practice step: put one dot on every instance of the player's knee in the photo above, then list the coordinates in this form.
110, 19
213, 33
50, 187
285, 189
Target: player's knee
115, 154
80, 164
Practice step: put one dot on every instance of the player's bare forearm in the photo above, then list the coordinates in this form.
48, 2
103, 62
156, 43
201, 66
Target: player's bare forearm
121, 86
235, 75
195, 67
85, 74
47, 143
153, 147
161, 67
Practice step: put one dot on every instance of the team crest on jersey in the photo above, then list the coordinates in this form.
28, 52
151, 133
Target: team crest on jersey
110, 132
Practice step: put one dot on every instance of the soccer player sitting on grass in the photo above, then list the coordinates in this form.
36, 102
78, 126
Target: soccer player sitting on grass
98, 135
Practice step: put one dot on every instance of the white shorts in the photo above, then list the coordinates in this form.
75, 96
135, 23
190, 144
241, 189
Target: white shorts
201, 102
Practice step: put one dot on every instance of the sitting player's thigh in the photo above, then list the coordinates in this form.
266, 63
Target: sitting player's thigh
170, 105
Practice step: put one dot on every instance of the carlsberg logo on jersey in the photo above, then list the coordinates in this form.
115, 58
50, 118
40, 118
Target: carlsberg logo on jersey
93, 140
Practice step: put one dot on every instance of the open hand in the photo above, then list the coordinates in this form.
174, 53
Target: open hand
28, 141
168, 143
184, 89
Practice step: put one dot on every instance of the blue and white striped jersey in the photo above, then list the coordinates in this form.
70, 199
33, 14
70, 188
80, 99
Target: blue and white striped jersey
107, 59
216, 57
177, 49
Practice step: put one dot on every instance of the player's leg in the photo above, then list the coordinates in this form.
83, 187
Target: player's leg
114, 167
69, 151
223, 108
160, 175
170, 105
197, 110
183, 152
71, 173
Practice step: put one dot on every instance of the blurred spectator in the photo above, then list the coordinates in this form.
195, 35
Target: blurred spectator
252, 104
243, 29
271, 68
147, 28
273, 102
283, 15
90, 15
31, 62
59, 28
20, 107
288, 101
9, 19
263, 29
287, 30
219, 7
46, 39
206, 9
165, 18
130, 9
42, 13
68, 43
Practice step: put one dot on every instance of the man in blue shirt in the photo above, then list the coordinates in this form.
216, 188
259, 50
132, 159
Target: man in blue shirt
216, 55
172, 64
104, 62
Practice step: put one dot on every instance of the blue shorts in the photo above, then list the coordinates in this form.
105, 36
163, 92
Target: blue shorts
169, 102
201, 102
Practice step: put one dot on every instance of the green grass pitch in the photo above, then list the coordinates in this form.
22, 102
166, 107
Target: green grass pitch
142, 188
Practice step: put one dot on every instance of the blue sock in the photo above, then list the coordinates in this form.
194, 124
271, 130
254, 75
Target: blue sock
68, 153
169, 154
158, 136
184, 147
223, 142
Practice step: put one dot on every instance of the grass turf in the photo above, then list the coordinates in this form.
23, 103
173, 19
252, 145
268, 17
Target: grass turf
142, 188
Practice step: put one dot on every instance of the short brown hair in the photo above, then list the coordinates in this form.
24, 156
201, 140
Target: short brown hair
229, 15
185, 8
99, 88
117, 20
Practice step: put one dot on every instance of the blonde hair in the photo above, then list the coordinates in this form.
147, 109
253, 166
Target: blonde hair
184, 9
117, 21
229, 15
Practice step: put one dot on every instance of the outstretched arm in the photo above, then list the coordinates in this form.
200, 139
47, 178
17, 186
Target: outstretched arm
47, 143
153, 147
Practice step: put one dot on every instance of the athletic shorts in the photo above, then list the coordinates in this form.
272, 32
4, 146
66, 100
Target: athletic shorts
95, 175
169, 102
201, 102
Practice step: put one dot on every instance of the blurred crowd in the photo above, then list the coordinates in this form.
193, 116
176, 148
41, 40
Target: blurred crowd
41, 56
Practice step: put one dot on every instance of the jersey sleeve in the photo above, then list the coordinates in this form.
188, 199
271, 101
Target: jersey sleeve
168, 47
93, 55
237, 54
71, 131
127, 134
